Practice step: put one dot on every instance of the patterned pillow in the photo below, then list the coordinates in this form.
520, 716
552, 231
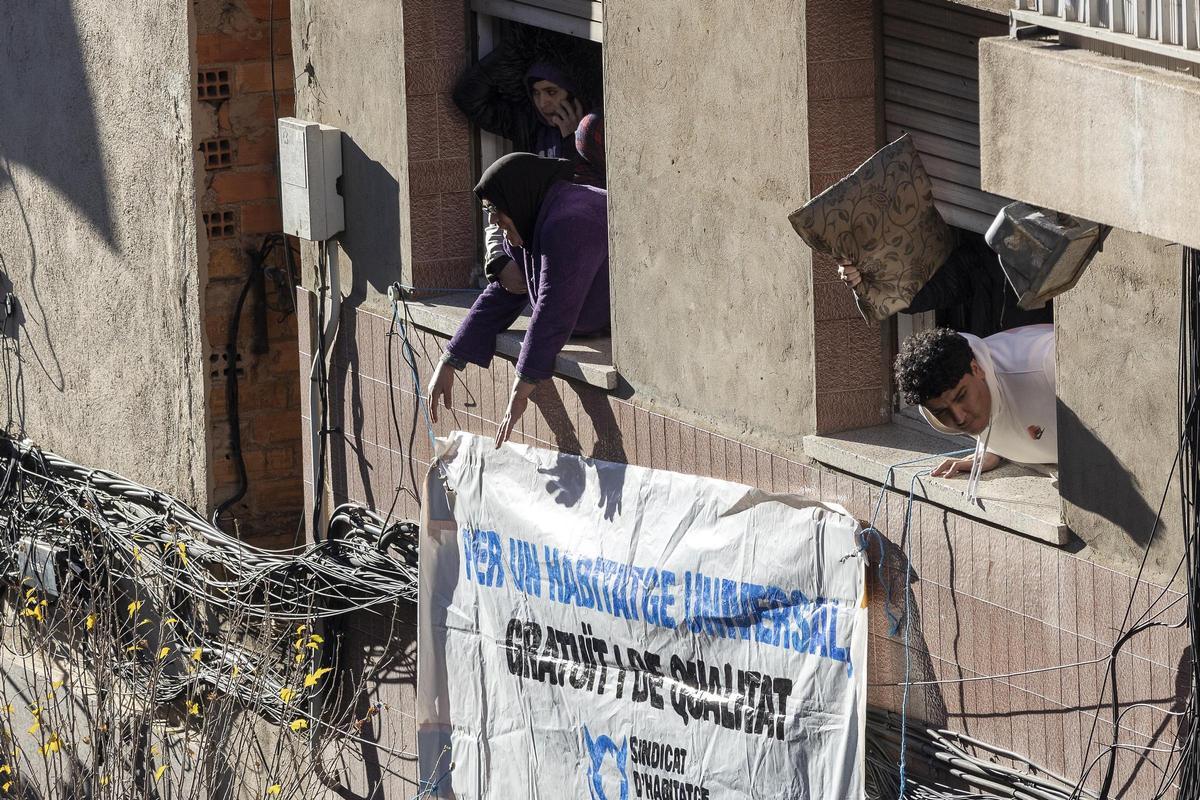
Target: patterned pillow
881, 217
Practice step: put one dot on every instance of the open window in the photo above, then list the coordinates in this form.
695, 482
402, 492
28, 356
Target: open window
508, 36
930, 91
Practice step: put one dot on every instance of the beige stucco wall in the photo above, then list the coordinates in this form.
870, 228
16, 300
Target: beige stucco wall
708, 152
1091, 135
104, 361
1122, 155
1117, 347
349, 57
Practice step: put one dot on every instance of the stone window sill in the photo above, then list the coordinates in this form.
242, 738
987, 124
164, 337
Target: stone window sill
583, 359
1011, 496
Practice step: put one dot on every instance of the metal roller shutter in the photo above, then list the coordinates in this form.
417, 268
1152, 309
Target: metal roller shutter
582, 18
931, 90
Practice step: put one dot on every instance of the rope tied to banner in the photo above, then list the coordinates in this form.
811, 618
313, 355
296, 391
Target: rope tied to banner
872, 530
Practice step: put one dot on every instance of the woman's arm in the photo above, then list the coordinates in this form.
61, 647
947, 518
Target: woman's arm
494, 311
570, 261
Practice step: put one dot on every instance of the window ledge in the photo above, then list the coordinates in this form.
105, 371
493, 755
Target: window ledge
583, 359
1011, 496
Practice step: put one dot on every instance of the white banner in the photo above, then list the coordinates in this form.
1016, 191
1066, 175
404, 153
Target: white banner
595, 630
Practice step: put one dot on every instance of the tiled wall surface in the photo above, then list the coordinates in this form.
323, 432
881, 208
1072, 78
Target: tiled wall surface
985, 602
442, 212
840, 51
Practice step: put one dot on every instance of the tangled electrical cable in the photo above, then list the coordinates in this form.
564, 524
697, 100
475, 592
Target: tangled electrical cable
1188, 769
956, 766
115, 544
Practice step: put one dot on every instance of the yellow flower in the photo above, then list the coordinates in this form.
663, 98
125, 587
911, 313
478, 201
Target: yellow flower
158, 773
316, 639
274, 788
197, 653
5, 769
311, 678
50, 746
163, 653
286, 694
6, 786
170, 621
34, 728
137, 553
90, 622
182, 548
299, 658
8, 709
193, 708
134, 607
298, 725
104, 780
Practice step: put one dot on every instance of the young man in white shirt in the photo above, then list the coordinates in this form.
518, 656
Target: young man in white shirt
999, 390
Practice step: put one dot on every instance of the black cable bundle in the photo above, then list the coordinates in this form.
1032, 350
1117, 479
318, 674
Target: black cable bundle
358, 571
949, 765
1189, 434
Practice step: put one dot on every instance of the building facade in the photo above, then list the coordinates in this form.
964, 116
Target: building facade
735, 352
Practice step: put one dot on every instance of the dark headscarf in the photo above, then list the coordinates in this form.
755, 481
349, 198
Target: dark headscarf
517, 184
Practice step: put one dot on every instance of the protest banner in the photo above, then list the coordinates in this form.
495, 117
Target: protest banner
596, 630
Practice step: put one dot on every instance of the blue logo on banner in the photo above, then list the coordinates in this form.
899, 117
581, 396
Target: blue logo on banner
597, 749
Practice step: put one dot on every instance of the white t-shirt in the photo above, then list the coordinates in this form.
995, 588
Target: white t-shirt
1018, 366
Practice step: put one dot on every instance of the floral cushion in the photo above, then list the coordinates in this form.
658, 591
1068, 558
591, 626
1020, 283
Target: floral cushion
881, 217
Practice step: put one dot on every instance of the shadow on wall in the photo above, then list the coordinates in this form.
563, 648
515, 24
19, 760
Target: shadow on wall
49, 120
1093, 479
887, 581
566, 479
14, 320
372, 235
380, 652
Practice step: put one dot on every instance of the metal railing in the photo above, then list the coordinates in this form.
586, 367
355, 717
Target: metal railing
1165, 30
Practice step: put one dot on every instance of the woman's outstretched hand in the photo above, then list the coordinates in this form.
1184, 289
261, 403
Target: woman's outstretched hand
518, 401
441, 387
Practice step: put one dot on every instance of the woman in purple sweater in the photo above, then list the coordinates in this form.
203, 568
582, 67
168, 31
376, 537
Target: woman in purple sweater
556, 232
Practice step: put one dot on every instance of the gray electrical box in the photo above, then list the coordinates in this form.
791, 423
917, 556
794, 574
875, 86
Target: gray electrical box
38, 564
1043, 252
310, 164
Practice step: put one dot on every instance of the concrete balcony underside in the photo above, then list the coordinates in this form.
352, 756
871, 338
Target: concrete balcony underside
1092, 135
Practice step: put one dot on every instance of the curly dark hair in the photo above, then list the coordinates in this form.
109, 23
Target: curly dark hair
930, 362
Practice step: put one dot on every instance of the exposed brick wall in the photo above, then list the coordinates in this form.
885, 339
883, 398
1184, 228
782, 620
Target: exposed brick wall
986, 602
841, 50
442, 207
239, 196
